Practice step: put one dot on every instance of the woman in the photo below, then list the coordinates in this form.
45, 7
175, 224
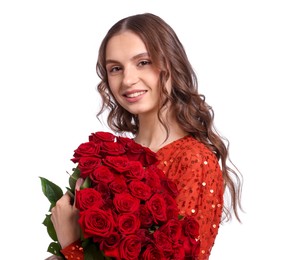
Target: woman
150, 90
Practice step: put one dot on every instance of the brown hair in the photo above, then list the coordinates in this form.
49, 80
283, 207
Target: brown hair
193, 114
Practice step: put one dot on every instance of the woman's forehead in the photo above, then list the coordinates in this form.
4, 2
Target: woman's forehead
125, 45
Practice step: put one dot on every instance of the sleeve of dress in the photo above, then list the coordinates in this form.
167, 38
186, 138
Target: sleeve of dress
200, 184
74, 251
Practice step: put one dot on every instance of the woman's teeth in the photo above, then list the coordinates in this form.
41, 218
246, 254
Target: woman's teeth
136, 94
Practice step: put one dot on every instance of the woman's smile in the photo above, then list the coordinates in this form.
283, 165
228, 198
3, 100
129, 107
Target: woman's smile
134, 95
132, 78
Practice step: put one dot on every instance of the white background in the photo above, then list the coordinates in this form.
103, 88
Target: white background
48, 103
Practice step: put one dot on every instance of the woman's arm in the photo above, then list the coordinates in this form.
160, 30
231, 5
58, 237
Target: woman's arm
201, 195
198, 176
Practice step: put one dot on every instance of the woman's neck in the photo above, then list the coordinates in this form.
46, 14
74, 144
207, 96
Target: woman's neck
153, 134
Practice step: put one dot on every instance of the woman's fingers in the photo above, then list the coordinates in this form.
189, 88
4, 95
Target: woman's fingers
79, 183
65, 218
65, 221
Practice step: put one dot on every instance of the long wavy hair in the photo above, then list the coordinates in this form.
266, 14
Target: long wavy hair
192, 113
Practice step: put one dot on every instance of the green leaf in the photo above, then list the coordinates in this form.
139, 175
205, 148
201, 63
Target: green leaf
87, 183
50, 228
70, 192
86, 242
92, 252
51, 190
54, 248
73, 178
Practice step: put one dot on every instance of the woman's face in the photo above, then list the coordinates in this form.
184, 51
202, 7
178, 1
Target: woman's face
132, 78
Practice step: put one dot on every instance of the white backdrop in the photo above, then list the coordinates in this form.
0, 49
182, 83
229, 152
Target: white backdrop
48, 103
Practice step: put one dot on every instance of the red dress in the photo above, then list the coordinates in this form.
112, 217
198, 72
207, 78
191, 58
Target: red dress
195, 170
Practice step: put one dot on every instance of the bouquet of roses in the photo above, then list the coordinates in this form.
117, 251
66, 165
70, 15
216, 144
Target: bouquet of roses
127, 207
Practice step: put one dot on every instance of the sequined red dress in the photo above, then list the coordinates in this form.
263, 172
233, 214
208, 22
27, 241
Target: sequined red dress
195, 170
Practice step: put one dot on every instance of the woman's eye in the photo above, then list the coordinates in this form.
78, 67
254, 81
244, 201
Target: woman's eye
144, 62
114, 69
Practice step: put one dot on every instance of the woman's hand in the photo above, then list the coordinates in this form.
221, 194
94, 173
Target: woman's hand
65, 219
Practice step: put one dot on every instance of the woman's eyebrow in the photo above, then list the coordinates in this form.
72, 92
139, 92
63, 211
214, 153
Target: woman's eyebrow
140, 55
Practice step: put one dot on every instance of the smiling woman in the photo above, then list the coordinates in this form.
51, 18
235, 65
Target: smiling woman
150, 90
132, 77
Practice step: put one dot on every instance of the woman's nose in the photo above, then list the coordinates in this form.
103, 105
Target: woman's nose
130, 76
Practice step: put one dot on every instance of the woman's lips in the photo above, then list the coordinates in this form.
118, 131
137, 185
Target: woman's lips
134, 96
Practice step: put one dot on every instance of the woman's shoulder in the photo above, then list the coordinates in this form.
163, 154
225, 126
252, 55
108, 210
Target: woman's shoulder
188, 157
187, 146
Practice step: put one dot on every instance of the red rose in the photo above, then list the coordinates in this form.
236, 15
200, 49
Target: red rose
104, 190
118, 163
100, 137
137, 152
140, 190
125, 203
179, 253
157, 206
172, 229
124, 141
145, 236
145, 216
157, 170
191, 248
170, 187
102, 174
130, 247
152, 180
108, 205
128, 223
135, 170
130, 209
172, 207
88, 198
118, 185
191, 240
88, 149
153, 252
190, 227
87, 165
150, 157
163, 242
110, 245
109, 148
96, 223
172, 212
170, 201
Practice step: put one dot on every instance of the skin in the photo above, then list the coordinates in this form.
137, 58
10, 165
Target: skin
131, 72
133, 81
65, 215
